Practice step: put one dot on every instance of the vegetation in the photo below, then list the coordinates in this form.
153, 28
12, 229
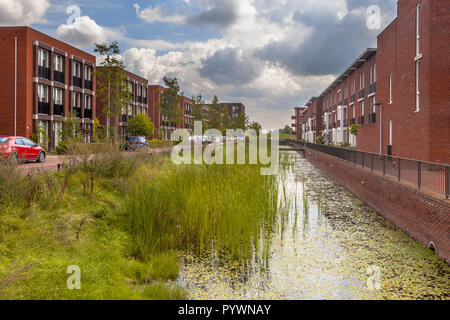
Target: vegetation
354, 129
122, 219
115, 93
140, 125
321, 139
170, 102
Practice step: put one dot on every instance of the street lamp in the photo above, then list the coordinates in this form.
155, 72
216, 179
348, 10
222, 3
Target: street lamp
381, 127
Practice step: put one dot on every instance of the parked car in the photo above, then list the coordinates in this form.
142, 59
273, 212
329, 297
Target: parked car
20, 148
135, 143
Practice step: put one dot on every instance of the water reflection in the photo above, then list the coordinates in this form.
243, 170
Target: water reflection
325, 241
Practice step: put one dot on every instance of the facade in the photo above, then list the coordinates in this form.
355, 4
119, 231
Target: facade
49, 80
396, 94
313, 121
138, 87
234, 109
298, 121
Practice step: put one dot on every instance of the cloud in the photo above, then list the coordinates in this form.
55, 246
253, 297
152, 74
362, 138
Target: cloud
23, 12
230, 67
85, 32
220, 13
157, 14
335, 37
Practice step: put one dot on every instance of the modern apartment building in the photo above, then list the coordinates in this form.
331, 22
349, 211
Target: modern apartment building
396, 94
313, 120
298, 121
42, 81
138, 87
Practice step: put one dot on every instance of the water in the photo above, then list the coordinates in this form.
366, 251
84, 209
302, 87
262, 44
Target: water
328, 245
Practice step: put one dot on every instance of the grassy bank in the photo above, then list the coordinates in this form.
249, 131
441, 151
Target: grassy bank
123, 222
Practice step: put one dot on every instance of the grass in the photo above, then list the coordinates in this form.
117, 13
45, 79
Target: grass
122, 220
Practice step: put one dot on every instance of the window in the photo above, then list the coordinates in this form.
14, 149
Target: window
57, 96
43, 58
417, 86
374, 73
390, 133
361, 81
362, 108
77, 100
88, 102
43, 93
87, 73
390, 89
76, 69
58, 63
418, 30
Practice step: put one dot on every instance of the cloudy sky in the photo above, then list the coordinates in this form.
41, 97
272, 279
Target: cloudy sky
272, 55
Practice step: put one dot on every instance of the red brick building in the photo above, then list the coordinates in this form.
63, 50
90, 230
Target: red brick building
313, 121
138, 87
397, 94
414, 78
49, 80
298, 122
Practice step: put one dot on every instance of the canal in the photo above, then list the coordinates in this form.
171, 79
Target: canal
327, 244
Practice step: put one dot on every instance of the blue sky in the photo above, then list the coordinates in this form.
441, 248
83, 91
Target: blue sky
272, 55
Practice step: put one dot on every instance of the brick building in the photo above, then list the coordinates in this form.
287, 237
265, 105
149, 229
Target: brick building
48, 80
138, 87
397, 94
312, 116
298, 121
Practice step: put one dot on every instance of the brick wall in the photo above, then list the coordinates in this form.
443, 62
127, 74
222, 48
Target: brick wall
424, 218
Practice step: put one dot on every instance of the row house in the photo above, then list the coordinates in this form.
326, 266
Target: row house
313, 120
298, 121
396, 94
138, 88
350, 100
42, 81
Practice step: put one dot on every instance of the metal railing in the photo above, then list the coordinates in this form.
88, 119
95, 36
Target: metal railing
422, 175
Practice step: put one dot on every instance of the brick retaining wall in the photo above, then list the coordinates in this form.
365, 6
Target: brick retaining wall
423, 217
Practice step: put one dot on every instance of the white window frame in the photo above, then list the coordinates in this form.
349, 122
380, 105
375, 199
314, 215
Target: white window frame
43, 93
88, 102
57, 96
390, 89
417, 86
76, 69
43, 57
418, 30
58, 63
88, 73
76, 98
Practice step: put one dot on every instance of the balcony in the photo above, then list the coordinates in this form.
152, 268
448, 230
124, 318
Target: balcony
58, 76
352, 121
373, 118
77, 112
346, 102
87, 113
373, 88
339, 123
58, 110
345, 123
77, 82
353, 98
334, 108
362, 94
144, 100
294, 118
139, 99
124, 118
88, 84
44, 73
44, 108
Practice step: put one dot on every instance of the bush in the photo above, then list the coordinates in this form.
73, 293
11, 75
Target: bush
140, 125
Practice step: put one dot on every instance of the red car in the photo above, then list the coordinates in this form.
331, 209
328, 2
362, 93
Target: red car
19, 148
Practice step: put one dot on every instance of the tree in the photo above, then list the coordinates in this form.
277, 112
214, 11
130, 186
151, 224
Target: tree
241, 122
113, 91
215, 111
197, 109
170, 101
286, 130
255, 126
140, 125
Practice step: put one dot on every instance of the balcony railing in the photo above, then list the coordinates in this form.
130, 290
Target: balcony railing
44, 73
88, 84
373, 118
58, 110
87, 113
427, 176
352, 121
77, 82
44, 108
345, 101
77, 112
352, 98
362, 93
339, 123
139, 99
373, 88
345, 123
144, 100
58, 76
